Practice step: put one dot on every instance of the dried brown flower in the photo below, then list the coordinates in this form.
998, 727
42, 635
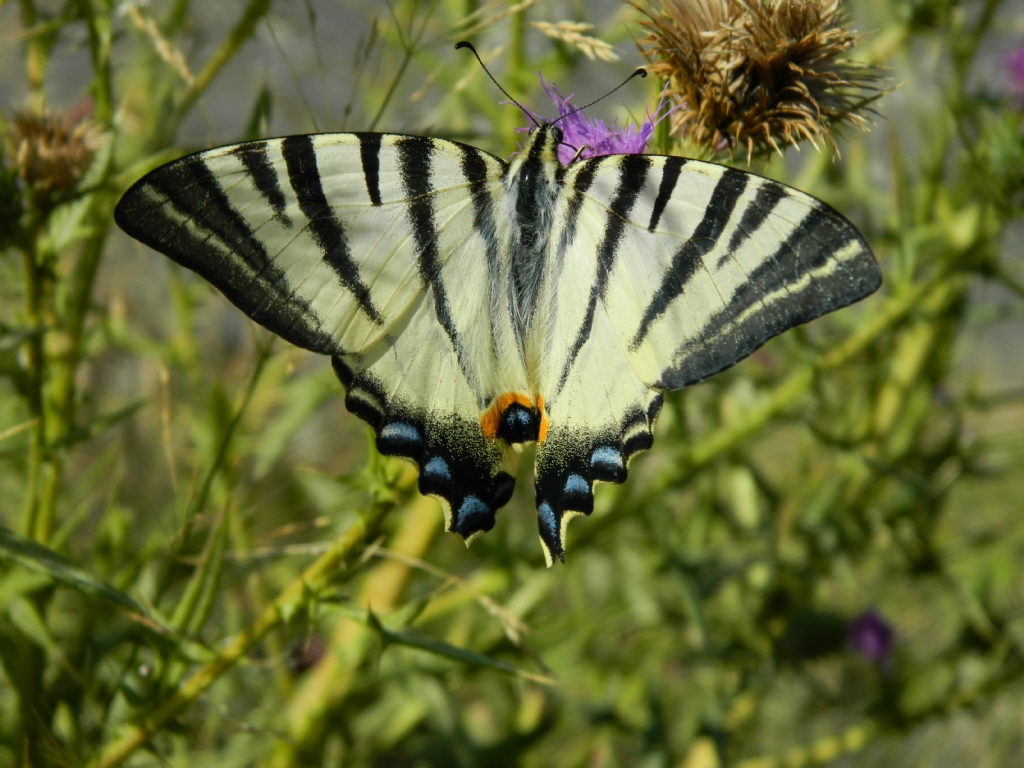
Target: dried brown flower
755, 74
52, 151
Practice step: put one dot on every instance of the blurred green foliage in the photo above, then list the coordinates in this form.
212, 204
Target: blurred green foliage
205, 562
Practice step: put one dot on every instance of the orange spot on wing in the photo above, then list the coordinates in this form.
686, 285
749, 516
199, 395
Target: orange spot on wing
490, 418
543, 431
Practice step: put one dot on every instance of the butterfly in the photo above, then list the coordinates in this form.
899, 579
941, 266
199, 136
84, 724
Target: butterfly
471, 305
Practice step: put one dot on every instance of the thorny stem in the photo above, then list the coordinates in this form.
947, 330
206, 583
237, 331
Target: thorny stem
243, 30
312, 580
409, 48
32, 662
36, 56
54, 350
37, 438
40, 473
801, 380
198, 501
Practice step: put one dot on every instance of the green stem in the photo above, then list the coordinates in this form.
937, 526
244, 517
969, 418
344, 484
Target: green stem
410, 46
243, 30
97, 14
59, 410
32, 661
199, 500
312, 580
34, 344
36, 55
801, 380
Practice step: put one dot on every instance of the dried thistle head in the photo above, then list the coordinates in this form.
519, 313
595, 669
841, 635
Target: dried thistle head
51, 152
757, 74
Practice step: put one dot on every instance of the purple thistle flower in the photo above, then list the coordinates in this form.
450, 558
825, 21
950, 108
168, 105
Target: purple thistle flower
593, 136
1015, 68
872, 637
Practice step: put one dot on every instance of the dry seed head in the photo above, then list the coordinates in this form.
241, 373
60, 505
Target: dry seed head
571, 33
755, 74
52, 151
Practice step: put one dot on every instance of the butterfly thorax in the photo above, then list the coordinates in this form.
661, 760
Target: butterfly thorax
533, 183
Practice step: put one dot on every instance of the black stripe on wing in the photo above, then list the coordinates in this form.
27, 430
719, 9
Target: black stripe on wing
780, 294
300, 158
263, 175
577, 194
455, 462
475, 171
688, 259
670, 171
633, 171
768, 195
369, 155
414, 157
182, 210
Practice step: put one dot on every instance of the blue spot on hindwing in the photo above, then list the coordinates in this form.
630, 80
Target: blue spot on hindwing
547, 520
575, 484
399, 438
606, 456
437, 467
607, 464
469, 516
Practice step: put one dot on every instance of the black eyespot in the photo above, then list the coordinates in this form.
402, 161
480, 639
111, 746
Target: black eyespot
532, 129
518, 424
556, 132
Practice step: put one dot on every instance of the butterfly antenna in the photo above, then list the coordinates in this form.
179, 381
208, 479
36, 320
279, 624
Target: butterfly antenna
639, 73
464, 44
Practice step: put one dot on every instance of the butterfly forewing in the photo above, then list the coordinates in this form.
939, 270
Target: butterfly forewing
720, 264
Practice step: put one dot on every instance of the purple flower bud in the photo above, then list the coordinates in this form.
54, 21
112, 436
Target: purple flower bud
872, 637
305, 654
590, 137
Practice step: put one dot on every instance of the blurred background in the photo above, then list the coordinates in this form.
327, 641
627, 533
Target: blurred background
204, 561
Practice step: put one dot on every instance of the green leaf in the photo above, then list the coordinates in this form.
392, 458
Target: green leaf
135, 172
68, 224
20, 581
43, 560
36, 557
300, 398
23, 615
259, 118
412, 639
81, 433
11, 339
194, 606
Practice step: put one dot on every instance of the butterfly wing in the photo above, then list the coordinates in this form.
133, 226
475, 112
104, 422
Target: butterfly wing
662, 272
359, 246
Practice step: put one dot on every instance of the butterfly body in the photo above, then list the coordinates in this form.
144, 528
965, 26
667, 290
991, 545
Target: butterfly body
470, 306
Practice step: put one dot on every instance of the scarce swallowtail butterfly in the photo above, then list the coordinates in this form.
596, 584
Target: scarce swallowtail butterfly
470, 305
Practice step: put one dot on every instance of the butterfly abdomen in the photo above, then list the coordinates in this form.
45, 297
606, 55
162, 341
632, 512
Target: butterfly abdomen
534, 184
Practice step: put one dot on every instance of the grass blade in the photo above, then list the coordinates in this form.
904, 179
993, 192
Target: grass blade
36, 557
